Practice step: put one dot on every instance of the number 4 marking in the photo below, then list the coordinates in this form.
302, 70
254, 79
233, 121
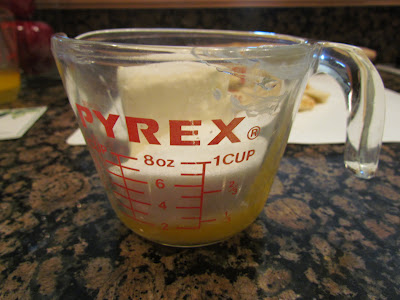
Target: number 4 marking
162, 205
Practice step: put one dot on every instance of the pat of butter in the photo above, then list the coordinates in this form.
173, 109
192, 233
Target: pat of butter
175, 90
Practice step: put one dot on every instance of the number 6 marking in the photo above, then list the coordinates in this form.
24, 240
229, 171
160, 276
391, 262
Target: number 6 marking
160, 183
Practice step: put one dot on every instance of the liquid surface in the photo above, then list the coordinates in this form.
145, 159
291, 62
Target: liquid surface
10, 82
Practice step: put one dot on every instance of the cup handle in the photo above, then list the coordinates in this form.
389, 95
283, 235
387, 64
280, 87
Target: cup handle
365, 100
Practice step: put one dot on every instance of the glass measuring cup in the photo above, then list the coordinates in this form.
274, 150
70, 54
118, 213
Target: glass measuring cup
187, 127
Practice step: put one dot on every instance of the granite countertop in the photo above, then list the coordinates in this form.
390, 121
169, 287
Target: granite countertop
322, 234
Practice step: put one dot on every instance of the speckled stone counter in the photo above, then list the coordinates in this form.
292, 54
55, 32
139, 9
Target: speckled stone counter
323, 234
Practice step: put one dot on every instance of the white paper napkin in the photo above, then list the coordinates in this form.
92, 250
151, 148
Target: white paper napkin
14, 123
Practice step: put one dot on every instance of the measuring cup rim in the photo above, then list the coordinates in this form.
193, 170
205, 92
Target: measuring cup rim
237, 37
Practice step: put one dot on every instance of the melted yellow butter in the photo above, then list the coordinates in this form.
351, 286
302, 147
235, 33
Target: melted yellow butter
223, 227
10, 82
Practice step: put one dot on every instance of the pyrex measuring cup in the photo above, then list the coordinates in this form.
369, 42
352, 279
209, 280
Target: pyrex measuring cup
187, 127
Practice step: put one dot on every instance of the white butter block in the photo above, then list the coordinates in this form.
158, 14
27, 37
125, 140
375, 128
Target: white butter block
174, 90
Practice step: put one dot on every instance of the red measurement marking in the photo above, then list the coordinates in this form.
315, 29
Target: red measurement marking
126, 178
233, 187
135, 210
124, 205
101, 149
210, 220
137, 220
227, 217
190, 174
124, 156
187, 185
134, 200
131, 190
160, 183
125, 167
196, 163
125, 186
215, 191
162, 205
200, 196
141, 212
202, 193
92, 142
113, 173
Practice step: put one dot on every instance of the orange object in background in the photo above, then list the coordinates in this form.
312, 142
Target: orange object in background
10, 82
10, 79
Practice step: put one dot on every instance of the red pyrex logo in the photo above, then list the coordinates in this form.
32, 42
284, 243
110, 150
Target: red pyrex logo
176, 130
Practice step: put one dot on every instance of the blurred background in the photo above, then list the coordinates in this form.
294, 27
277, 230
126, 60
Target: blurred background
375, 26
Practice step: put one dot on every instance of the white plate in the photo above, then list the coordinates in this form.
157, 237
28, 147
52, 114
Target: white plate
326, 123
